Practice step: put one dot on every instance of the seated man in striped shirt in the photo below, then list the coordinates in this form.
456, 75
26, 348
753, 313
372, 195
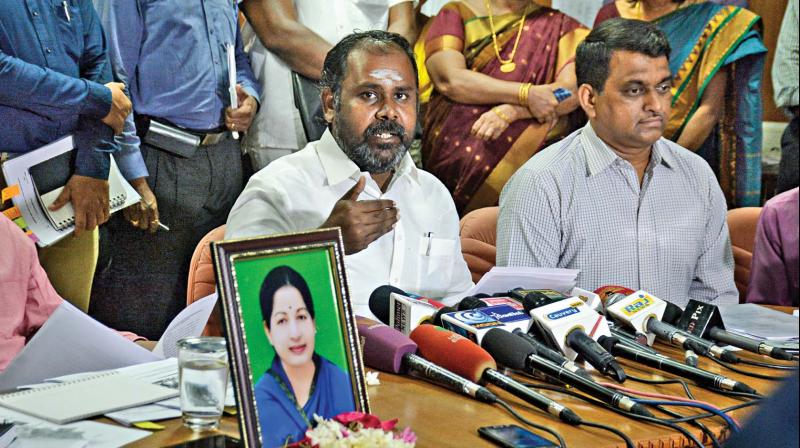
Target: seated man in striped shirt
615, 199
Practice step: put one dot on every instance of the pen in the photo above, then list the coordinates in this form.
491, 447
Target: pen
430, 240
66, 10
163, 226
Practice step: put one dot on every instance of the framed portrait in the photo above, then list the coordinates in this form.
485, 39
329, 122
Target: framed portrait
292, 338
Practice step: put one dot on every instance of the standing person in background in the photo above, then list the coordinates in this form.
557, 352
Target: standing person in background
173, 56
786, 83
285, 36
55, 80
717, 62
495, 67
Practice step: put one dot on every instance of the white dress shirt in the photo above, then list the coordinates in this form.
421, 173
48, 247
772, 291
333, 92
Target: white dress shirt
297, 192
274, 126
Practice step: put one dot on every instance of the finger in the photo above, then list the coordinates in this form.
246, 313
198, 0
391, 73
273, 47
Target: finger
62, 199
105, 211
127, 211
353, 193
387, 214
91, 221
80, 221
372, 205
241, 95
376, 231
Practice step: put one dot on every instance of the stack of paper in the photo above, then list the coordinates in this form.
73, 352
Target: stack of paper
501, 279
756, 321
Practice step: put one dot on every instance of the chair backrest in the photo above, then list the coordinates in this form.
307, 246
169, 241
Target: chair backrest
478, 230
742, 224
201, 278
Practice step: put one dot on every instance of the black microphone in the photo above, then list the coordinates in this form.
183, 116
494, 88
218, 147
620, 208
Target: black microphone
576, 338
680, 338
552, 355
699, 376
517, 353
704, 320
446, 378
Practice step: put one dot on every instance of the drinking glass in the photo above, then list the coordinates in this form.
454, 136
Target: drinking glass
203, 373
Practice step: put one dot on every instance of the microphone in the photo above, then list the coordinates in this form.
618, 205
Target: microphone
384, 346
473, 302
566, 322
699, 376
704, 320
463, 357
401, 310
516, 353
643, 312
552, 355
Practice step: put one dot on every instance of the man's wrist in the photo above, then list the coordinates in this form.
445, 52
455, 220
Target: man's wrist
99, 100
92, 163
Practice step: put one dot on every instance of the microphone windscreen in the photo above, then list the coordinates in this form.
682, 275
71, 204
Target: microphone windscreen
384, 346
437, 318
612, 291
507, 349
452, 351
470, 303
379, 301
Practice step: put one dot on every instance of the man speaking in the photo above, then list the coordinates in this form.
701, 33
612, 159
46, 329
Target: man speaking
399, 223
615, 199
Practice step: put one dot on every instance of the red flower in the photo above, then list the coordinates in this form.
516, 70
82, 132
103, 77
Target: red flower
369, 421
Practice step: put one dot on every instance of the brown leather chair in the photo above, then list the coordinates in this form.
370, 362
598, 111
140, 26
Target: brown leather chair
201, 278
742, 226
478, 230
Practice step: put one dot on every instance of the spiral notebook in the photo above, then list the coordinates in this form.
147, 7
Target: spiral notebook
51, 175
76, 400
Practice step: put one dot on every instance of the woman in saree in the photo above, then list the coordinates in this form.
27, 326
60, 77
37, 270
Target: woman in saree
716, 62
503, 72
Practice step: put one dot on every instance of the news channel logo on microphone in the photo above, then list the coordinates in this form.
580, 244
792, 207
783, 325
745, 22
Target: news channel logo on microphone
641, 302
574, 308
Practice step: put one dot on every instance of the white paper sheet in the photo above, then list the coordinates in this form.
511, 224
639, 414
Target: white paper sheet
37, 433
71, 342
760, 322
188, 323
507, 278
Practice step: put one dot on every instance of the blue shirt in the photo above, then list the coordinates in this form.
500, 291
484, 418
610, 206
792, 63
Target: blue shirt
53, 65
277, 414
172, 56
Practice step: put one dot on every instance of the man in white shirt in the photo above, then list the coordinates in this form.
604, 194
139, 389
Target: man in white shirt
295, 35
399, 223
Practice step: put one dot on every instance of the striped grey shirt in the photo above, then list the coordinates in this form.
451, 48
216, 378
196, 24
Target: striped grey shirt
578, 205
786, 68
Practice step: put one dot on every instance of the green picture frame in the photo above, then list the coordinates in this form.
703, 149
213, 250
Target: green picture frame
245, 268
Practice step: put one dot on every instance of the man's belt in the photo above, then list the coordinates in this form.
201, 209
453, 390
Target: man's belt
183, 142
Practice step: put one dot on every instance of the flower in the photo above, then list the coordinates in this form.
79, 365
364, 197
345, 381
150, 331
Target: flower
355, 430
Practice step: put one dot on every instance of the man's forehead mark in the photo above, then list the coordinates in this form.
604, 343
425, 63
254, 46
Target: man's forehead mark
386, 74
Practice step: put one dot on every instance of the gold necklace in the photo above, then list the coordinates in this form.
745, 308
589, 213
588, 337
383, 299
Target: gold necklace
507, 65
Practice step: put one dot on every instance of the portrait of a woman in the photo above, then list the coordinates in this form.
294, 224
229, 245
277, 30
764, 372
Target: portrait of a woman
300, 383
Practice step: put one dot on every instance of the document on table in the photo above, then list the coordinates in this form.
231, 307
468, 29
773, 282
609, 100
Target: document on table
38, 433
501, 279
69, 342
754, 320
189, 322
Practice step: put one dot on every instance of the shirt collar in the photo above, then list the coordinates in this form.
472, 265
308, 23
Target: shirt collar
599, 155
338, 166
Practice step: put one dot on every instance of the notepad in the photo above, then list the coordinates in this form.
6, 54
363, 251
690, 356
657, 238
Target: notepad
76, 400
51, 175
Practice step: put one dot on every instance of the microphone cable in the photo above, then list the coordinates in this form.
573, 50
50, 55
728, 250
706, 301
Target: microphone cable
711, 409
767, 365
628, 441
745, 372
518, 416
682, 382
658, 421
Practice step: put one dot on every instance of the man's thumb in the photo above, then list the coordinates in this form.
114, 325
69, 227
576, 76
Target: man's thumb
353, 193
62, 199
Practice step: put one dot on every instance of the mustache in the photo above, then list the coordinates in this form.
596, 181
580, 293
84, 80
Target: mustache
385, 127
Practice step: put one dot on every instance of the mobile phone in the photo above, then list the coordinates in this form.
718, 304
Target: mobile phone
215, 441
513, 436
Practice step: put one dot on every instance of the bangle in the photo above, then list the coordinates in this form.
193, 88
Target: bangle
500, 114
524, 90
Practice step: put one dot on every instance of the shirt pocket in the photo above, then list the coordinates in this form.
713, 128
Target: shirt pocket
435, 264
69, 22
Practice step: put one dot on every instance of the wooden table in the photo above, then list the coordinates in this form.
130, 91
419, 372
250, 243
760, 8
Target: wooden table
443, 418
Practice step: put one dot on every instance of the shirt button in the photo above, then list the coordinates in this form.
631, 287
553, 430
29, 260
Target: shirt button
48, 50
36, 13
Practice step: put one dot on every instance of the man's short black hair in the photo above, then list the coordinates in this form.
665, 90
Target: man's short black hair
276, 279
335, 66
593, 56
